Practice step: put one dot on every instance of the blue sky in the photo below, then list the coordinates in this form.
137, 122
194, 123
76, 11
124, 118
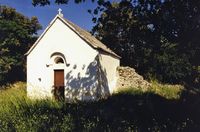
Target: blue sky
77, 13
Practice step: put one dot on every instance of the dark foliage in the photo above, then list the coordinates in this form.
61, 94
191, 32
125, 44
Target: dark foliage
17, 34
159, 37
147, 112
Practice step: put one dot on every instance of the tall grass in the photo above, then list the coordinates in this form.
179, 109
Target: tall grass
165, 90
19, 113
159, 108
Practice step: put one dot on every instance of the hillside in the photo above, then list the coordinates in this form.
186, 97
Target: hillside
161, 108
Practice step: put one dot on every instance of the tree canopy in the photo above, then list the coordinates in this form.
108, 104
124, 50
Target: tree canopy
158, 38
17, 34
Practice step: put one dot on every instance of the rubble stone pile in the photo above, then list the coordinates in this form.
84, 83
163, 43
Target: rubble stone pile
127, 77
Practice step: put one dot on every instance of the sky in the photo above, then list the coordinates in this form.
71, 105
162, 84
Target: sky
77, 13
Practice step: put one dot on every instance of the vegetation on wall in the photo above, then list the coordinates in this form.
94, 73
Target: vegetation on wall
17, 34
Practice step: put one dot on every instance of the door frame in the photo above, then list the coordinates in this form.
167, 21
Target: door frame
58, 89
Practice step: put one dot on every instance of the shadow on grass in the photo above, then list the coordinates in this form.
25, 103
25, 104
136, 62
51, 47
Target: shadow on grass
121, 112
144, 112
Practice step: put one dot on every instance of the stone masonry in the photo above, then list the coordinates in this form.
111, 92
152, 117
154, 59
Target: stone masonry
127, 77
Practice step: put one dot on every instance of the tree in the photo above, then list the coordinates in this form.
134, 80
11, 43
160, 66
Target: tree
17, 34
158, 38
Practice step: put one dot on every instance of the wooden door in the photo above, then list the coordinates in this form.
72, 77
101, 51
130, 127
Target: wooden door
59, 84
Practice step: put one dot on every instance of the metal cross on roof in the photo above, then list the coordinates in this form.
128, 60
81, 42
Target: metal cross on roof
59, 11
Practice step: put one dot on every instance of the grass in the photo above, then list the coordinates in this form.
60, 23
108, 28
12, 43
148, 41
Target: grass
160, 108
164, 90
19, 113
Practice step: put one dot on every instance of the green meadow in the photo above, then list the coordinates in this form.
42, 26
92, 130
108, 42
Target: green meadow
160, 108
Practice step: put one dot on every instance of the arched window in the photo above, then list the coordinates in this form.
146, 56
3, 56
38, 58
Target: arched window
59, 60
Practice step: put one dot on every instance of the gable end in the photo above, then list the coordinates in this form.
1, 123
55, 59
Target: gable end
84, 35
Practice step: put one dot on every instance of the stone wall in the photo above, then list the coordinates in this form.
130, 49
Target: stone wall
127, 77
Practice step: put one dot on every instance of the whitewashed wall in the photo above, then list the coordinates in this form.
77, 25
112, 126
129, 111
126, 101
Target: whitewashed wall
109, 66
80, 56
